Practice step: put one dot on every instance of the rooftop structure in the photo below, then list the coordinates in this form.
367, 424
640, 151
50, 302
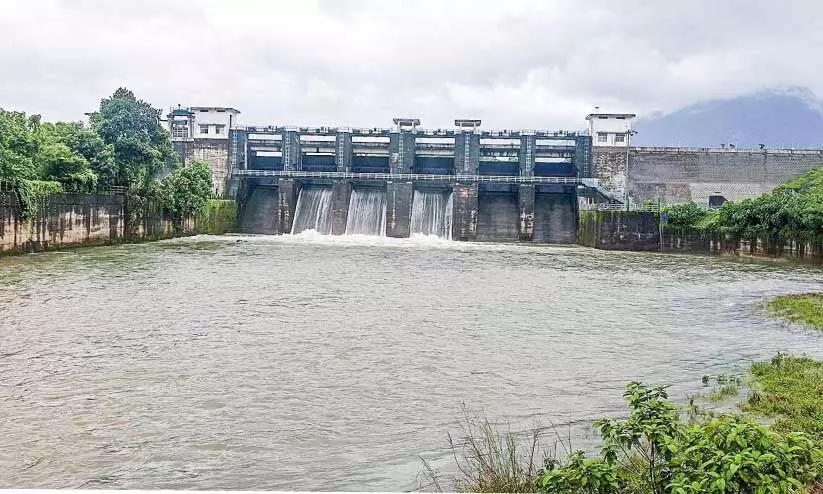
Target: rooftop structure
202, 122
611, 129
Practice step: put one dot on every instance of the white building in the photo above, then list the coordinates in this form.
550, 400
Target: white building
202, 122
611, 129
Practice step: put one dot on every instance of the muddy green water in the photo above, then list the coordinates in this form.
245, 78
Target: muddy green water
309, 362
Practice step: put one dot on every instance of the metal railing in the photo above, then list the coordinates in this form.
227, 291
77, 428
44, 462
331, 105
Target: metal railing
409, 177
647, 208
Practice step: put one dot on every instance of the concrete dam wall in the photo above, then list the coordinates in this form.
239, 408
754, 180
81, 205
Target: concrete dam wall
680, 175
481, 212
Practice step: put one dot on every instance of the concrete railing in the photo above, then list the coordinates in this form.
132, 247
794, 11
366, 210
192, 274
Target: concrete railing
409, 177
726, 150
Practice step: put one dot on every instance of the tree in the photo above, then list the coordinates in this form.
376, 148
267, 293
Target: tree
185, 192
61, 164
140, 146
18, 146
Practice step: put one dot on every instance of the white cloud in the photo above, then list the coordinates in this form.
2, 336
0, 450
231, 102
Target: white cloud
515, 64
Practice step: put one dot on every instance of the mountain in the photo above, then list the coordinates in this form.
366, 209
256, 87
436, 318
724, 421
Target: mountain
778, 118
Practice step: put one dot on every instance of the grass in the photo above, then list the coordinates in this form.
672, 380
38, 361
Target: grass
724, 387
790, 390
805, 308
491, 460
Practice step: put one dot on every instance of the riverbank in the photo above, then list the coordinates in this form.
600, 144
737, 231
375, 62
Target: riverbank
804, 308
662, 447
63, 221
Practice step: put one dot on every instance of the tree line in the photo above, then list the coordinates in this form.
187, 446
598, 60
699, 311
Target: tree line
792, 212
124, 147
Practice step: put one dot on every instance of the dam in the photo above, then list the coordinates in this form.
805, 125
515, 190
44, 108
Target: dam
461, 184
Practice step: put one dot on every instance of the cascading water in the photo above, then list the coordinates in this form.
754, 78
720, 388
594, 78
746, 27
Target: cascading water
367, 212
432, 213
313, 211
449, 216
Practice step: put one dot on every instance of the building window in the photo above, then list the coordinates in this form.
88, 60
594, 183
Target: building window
204, 129
180, 131
601, 137
621, 138
218, 129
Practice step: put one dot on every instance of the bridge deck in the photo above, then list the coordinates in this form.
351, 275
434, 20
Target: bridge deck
414, 177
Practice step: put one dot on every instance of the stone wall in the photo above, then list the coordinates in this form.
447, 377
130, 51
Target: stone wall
215, 152
691, 175
680, 175
609, 167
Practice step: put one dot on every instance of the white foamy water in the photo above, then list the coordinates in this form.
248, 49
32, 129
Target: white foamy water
432, 213
367, 212
313, 211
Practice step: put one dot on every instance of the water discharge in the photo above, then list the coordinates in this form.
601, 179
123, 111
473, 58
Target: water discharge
367, 212
432, 213
321, 362
313, 211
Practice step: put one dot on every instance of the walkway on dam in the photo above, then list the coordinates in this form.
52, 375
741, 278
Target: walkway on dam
517, 179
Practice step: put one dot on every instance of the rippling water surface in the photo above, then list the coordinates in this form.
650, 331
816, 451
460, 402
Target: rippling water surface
306, 362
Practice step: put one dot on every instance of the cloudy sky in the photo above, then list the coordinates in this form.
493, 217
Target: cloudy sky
513, 63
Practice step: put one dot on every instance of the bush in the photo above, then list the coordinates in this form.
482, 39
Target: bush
684, 215
653, 451
185, 191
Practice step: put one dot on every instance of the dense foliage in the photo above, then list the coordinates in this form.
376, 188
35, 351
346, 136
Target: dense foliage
139, 145
125, 147
654, 451
792, 211
185, 192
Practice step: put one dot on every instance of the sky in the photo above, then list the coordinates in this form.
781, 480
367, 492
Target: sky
515, 64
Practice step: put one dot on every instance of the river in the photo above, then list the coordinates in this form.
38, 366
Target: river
314, 363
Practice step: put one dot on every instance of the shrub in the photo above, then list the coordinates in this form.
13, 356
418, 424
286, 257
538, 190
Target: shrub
653, 451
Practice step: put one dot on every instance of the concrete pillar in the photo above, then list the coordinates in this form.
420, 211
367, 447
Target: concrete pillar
583, 157
291, 151
525, 200
342, 151
340, 197
464, 213
401, 152
466, 153
287, 193
527, 148
399, 196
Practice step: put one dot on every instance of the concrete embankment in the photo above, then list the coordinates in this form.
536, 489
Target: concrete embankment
73, 220
640, 231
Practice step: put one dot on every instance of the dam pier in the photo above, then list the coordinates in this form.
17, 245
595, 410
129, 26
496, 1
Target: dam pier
462, 184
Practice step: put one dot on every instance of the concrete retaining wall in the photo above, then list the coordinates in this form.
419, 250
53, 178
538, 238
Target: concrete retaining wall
619, 230
680, 175
70, 220
640, 231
